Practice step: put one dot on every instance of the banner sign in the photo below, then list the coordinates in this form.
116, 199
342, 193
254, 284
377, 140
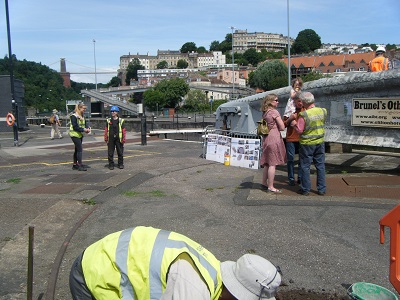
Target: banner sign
376, 112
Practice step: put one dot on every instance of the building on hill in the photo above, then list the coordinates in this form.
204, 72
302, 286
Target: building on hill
243, 41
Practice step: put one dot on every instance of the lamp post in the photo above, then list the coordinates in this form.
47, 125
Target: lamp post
288, 36
233, 65
95, 71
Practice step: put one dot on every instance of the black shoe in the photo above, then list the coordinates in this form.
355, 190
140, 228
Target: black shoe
298, 181
86, 166
292, 183
82, 168
75, 167
111, 167
121, 166
304, 193
321, 193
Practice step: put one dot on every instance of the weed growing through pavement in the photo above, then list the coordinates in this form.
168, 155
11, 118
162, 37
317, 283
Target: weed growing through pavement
89, 201
216, 188
155, 193
14, 180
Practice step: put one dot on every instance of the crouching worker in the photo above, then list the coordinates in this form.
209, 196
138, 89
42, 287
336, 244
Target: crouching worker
115, 137
147, 263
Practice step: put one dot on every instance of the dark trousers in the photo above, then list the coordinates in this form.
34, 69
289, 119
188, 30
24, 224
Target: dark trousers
77, 284
114, 143
78, 150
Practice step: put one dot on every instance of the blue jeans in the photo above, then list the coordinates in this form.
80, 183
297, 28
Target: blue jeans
308, 155
290, 152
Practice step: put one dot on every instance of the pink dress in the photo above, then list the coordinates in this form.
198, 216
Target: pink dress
273, 147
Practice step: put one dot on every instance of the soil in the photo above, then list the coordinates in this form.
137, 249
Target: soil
307, 295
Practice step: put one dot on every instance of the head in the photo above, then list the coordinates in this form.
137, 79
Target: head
251, 277
380, 51
297, 84
307, 98
114, 111
55, 111
270, 101
297, 101
80, 109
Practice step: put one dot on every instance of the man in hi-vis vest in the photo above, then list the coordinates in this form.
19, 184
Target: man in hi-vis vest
380, 62
144, 263
311, 127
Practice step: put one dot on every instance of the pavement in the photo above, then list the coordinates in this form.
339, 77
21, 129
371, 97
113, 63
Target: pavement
322, 243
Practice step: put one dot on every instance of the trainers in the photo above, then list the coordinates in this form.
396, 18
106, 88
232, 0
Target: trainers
82, 168
111, 167
75, 167
120, 166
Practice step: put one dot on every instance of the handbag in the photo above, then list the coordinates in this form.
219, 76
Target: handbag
262, 127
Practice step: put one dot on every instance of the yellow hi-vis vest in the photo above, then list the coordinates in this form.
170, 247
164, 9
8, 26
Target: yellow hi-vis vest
314, 130
120, 121
81, 123
134, 264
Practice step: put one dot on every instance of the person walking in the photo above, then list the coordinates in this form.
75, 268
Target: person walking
77, 128
148, 263
292, 142
55, 123
310, 126
273, 147
115, 137
380, 62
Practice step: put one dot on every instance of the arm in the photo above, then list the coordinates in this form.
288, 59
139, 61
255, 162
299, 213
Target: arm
299, 125
279, 123
184, 283
106, 133
123, 132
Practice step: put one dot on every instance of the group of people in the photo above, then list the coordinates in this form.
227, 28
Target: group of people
305, 134
114, 135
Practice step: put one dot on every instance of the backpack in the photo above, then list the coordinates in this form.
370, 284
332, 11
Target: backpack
262, 127
52, 119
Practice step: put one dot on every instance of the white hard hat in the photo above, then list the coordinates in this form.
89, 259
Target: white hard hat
380, 49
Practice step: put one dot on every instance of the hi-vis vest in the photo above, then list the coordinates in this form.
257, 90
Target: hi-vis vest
314, 130
379, 64
120, 121
134, 264
81, 123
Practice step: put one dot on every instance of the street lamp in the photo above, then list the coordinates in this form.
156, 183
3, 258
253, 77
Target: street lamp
95, 71
288, 37
233, 66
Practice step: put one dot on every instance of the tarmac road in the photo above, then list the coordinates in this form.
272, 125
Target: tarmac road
322, 244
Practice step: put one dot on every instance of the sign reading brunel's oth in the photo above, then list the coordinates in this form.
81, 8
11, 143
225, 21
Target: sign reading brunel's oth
376, 112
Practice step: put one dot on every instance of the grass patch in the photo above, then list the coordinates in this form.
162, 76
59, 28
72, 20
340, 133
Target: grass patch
14, 180
89, 201
216, 188
155, 193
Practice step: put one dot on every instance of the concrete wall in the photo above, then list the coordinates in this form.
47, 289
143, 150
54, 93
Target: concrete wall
334, 94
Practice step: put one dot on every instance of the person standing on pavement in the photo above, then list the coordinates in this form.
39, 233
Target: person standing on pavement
147, 263
310, 126
292, 141
273, 147
115, 137
77, 128
55, 123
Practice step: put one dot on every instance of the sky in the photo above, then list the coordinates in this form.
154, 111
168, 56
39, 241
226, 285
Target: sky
44, 31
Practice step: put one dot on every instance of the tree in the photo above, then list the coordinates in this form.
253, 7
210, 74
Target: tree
214, 46
182, 64
270, 75
312, 76
252, 56
195, 100
306, 41
154, 99
114, 82
201, 49
188, 47
162, 65
173, 90
131, 70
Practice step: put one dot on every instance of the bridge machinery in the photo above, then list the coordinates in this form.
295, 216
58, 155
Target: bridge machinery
363, 108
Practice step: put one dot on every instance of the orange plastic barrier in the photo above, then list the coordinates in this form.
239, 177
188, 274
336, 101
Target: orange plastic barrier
392, 220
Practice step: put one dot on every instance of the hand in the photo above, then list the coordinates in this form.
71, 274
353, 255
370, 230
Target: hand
294, 123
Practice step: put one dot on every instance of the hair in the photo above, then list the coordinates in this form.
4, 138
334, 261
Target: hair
299, 80
267, 102
307, 98
78, 107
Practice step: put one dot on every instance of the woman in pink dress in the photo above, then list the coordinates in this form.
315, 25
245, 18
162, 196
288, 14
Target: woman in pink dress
273, 147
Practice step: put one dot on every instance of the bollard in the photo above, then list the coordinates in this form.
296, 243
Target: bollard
29, 292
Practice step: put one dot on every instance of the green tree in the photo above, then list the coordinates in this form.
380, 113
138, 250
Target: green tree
154, 99
173, 90
201, 49
114, 82
252, 56
162, 65
195, 100
214, 46
390, 47
188, 47
306, 41
312, 76
182, 64
131, 70
270, 75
